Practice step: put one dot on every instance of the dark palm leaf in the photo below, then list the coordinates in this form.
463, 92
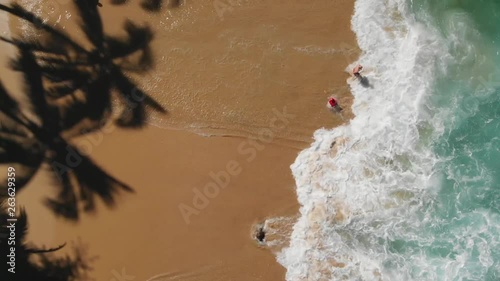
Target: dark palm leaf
33, 46
66, 203
135, 99
62, 61
96, 106
146, 60
19, 147
15, 149
92, 181
67, 76
91, 22
43, 251
47, 267
22, 231
152, 5
44, 143
138, 38
12, 127
156, 5
132, 117
56, 73
10, 109
63, 90
17, 10
34, 90
130, 91
7, 103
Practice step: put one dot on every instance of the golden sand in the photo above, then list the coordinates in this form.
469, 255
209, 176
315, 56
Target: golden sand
227, 73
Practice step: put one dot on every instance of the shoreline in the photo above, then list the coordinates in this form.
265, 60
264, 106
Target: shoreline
145, 224
169, 164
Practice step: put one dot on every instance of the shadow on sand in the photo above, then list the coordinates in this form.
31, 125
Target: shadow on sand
152, 5
40, 264
68, 92
365, 82
70, 88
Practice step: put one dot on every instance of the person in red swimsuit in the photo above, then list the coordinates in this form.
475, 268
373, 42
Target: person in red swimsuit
333, 104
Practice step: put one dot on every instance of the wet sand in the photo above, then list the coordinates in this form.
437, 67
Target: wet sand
147, 234
221, 69
217, 76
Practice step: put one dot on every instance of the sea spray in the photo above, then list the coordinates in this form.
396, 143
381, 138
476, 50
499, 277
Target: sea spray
377, 195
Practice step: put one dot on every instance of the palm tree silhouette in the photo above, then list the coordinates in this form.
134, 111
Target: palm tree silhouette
47, 268
97, 73
151, 5
31, 142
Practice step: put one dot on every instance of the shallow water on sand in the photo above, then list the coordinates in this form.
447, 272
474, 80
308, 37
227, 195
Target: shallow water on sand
224, 71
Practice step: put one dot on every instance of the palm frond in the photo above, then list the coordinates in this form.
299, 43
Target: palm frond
91, 22
43, 251
11, 126
20, 150
95, 181
152, 5
20, 12
57, 73
47, 267
131, 92
10, 108
146, 59
62, 61
66, 203
62, 90
7, 103
132, 117
92, 103
90, 180
34, 89
138, 38
33, 46
135, 99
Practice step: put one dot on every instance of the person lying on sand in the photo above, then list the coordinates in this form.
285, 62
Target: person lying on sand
356, 71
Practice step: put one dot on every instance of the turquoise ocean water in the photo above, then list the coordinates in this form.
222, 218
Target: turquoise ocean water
416, 175
463, 221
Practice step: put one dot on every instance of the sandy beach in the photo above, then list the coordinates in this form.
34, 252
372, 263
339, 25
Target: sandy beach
255, 78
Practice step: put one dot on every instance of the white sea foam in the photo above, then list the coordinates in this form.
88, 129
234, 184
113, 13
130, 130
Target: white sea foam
367, 185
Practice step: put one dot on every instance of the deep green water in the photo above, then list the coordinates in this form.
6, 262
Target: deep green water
460, 230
